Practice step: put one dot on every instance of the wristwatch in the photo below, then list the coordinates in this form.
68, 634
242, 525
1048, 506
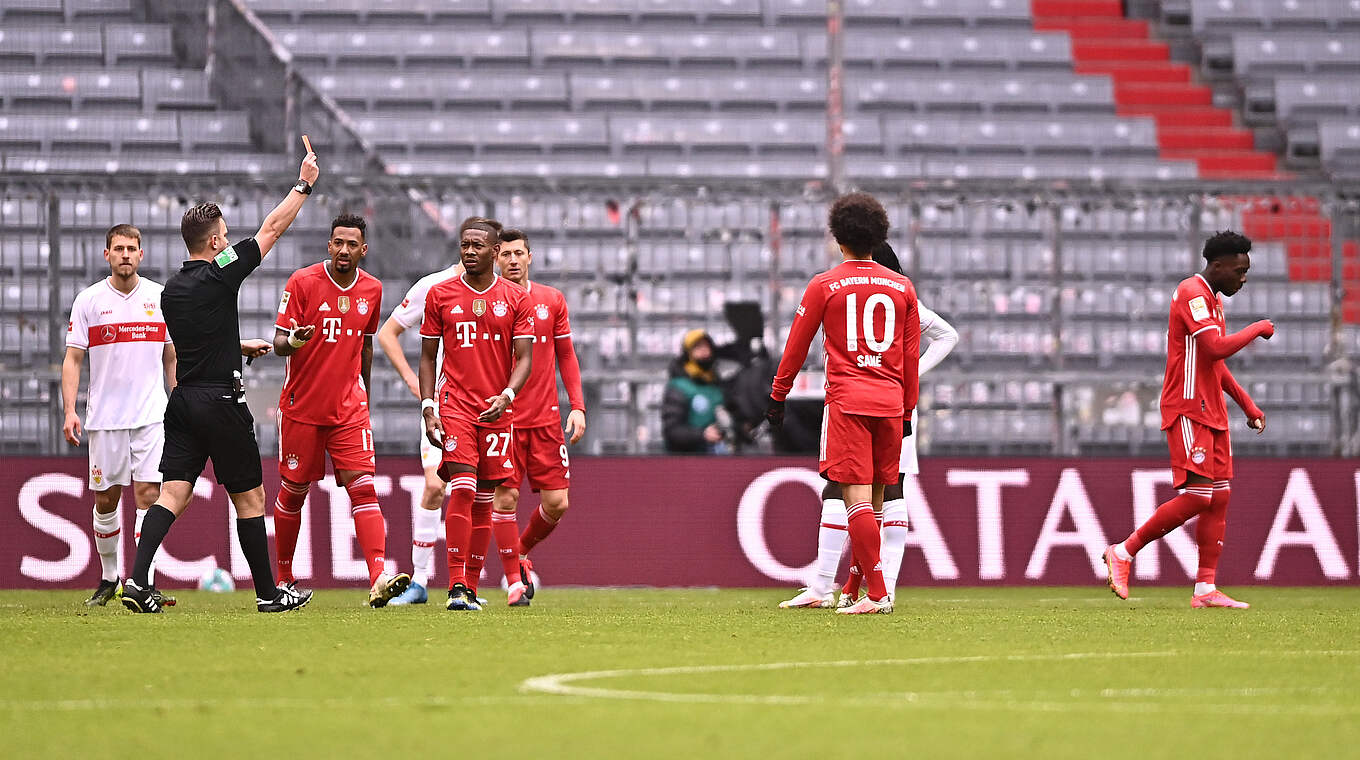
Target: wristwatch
303, 186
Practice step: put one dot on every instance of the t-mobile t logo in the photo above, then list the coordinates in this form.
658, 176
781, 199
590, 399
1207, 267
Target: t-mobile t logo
330, 327
465, 332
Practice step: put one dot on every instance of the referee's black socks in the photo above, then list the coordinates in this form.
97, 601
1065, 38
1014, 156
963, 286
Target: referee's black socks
154, 527
255, 545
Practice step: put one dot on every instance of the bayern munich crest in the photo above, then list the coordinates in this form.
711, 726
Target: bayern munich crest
500, 308
542, 311
1197, 455
292, 461
451, 443
361, 305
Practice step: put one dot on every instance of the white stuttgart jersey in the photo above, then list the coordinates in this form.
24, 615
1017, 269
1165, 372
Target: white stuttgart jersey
125, 336
411, 311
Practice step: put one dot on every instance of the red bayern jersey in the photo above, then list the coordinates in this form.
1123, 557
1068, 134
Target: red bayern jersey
536, 405
872, 336
322, 384
1192, 386
478, 329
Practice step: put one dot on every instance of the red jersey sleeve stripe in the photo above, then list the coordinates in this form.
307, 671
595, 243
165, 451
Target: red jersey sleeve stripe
1202, 329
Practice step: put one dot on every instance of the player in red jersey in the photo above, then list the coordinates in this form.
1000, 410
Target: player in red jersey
540, 446
327, 317
486, 326
1195, 417
872, 335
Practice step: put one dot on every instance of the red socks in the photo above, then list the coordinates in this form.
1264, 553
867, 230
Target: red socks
481, 537
540, 525
1213, 524
507, 543
287, 525
864, 543
458, 525
1191, 501
369, 526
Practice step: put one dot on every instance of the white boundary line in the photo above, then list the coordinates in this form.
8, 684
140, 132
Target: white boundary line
270, 703
567, 685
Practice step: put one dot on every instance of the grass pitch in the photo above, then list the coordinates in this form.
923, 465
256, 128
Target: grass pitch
1067, 672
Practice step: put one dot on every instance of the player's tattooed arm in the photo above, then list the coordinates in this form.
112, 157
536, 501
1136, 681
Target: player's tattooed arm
70, 387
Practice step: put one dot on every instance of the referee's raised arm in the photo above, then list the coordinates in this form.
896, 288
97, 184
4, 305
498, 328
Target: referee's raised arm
283, 214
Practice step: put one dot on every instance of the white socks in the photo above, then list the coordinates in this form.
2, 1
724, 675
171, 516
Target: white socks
106, 532
425, 531
831, 538
1204, 588
1122, 553
137, 539
894, 541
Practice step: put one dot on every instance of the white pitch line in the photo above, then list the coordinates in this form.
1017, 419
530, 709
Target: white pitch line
265, 703
566, 685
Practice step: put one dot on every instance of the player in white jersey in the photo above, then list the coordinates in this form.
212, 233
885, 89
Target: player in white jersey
426, 522
118, 322
939, 338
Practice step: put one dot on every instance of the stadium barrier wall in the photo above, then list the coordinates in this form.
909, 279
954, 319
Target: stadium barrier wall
681, 521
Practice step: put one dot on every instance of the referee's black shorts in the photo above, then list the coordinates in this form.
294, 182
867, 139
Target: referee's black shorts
209, 422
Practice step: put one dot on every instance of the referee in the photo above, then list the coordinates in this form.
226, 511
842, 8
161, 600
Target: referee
207, 417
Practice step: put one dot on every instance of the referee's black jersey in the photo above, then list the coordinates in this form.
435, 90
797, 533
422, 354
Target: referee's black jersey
199, 303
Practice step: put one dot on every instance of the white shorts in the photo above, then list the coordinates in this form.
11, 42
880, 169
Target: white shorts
906, 462
119, 457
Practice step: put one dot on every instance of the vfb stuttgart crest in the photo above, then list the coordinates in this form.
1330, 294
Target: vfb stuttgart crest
342, 303
361, 305
97, 475
150, 308
542, 311
479, 306
500, 308
292, 461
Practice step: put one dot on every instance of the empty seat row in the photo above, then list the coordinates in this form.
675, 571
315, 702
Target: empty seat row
65, 9
1209, 17
149, 88
118, 131
864, 133
1300, 98
95, 43
957, 91
877, 48
170, 163
959, 12
1275, 51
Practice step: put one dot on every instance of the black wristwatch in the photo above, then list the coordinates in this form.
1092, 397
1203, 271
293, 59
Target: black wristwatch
303, 186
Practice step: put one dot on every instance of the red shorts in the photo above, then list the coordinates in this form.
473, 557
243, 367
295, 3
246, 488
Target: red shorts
303, 448
859, 450
541, 454
490, 451
1199, 449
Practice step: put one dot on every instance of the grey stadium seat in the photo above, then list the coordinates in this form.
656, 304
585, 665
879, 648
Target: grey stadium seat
1212, 16
1084, 136
45, 44
214, 130
1340, 140
70, 88
374, 90
652, 90
46, 9
908, 12
112, 132
734, 47
365, 10
973, 92
148, 43
439, 44
641, 133
931, 49
175, 88
1274, 51
1053, 167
